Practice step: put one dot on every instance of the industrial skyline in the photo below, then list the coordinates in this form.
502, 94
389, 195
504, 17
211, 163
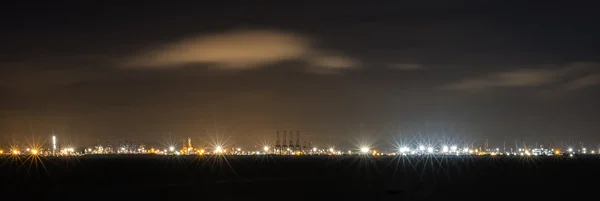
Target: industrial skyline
278, 146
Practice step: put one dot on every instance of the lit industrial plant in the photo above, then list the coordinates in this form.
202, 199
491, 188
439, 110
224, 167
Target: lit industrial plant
290, 143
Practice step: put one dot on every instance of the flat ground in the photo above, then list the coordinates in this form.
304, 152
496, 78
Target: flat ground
149, 177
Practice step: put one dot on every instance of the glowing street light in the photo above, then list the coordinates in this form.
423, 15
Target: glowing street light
466, 150
331, 150
421, 148
404, 149
364, 150
219, 149
53, 144
171, 148
453, 148
430, 149
266, 148
34, 152
445, 149
314, 149
570, 149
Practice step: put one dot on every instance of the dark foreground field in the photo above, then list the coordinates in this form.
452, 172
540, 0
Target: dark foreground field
298, 178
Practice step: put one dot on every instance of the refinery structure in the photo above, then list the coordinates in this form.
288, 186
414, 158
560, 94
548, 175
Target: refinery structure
289, 143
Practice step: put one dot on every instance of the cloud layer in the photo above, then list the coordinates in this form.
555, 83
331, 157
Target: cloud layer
240, 50
533, 78
406, 67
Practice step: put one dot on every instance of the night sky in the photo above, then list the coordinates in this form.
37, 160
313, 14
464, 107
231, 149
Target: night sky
468, 70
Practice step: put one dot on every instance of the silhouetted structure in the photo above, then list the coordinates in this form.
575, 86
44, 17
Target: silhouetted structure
278, 144
284, 141
291, 143
298, 148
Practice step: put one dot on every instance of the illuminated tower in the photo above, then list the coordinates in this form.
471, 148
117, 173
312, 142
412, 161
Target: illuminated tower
298, 148
190, 148
53, 143
183, 147
278, 144
291, 142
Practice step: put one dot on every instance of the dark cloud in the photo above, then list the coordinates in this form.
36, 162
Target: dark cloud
583, 82
407, 67
528, 77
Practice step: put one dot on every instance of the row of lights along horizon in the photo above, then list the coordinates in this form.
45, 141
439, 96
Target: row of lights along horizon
417, 149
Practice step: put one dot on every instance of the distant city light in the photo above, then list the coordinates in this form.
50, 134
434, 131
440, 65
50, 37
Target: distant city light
53, 143
421, 147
